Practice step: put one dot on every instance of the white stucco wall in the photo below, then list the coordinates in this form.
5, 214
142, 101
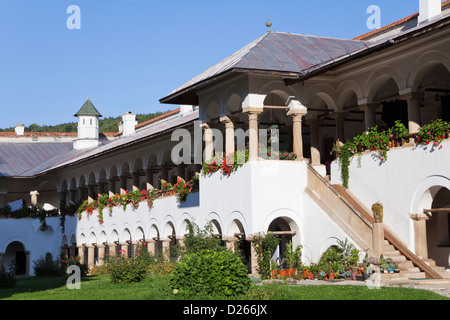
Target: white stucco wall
255, 195
399, 183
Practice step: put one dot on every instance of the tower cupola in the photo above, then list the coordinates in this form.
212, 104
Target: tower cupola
88, 131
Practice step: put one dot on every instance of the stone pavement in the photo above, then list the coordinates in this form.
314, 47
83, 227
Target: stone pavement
439, 286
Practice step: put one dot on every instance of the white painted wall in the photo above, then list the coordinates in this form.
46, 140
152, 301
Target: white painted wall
255, 195
399, 183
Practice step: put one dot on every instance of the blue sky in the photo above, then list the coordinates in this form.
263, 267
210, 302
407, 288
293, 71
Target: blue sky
128, 54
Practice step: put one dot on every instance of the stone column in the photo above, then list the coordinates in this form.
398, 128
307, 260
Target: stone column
166, 248
124, 247
414, 119
62, 197
339, 117
151, 245
91, 193
181, 171
420, 235
369, 114
112, 249
34, 198
72, 195
297, 115
101, 187
65, 250
112, 186
101, 254
2, 200
82, 193
165, 172
229, 135
149, 178
72, 250
378, 230
27, 263
81, 253
229, 243
208, 138
253, 257
91, 255
2, 255
315, 143
136, 181
253, 134
123, 183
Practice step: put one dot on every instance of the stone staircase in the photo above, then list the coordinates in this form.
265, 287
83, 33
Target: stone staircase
357, 221
407, 269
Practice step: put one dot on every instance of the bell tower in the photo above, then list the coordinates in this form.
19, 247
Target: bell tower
88, 117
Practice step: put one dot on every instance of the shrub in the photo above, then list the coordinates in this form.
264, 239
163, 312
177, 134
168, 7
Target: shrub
209, 272
46, 267
200, 239
126, 270
69, 261
7, 279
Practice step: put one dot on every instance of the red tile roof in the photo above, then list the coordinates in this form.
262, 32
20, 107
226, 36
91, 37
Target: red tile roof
370, 34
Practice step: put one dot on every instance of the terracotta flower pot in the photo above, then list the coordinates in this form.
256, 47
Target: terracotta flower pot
290, 272
274, 274
331, 275
282, 273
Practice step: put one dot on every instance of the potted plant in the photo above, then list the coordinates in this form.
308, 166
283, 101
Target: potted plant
292, 257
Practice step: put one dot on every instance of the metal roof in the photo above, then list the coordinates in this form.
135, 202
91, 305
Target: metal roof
88, 109
36, 158
18, 157
275, 52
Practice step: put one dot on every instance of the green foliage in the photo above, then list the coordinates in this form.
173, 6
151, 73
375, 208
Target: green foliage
47, 267
109, 124
339, 258
433, 133
227, 163
122, 269
73, 261
265, 245
293, 256
7, 278
208, 272
198, 239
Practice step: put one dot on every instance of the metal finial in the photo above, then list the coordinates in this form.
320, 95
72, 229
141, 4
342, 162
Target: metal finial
268, 25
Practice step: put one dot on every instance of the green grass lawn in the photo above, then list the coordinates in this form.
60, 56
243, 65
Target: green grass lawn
154, 287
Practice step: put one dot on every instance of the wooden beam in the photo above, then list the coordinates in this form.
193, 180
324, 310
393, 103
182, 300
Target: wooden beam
436, 210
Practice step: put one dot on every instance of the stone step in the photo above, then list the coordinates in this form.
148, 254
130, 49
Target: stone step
391, 253
397, 259
402, 275
430, 262
411, 269
405, 264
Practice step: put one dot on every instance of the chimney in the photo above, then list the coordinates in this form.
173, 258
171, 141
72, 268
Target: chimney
128, 123
429, 10
19, 129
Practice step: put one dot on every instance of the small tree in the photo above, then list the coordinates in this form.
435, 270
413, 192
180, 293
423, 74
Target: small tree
265, 245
